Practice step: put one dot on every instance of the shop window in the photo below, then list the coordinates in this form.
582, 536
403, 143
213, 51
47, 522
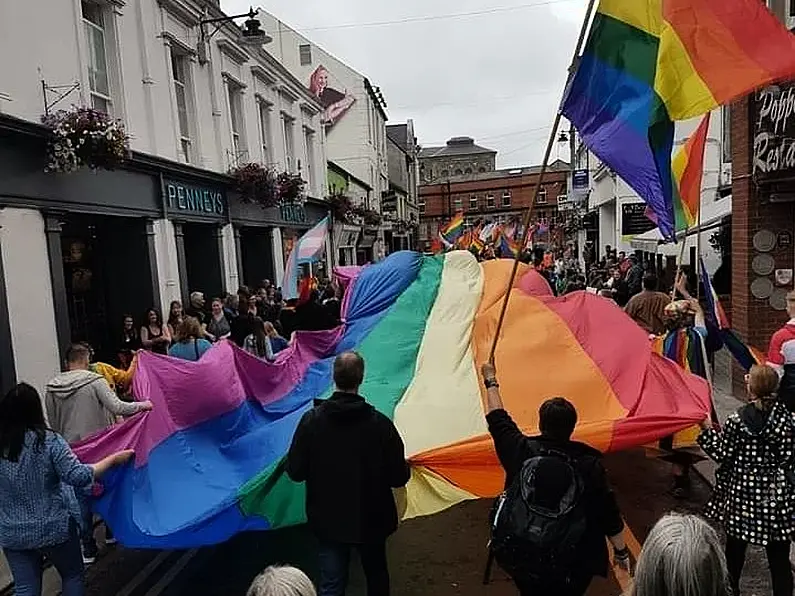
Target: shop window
541, 199
95, 28
506, 198
183, 101
490, 204
235, 97
305, 53
473, 202
265, 115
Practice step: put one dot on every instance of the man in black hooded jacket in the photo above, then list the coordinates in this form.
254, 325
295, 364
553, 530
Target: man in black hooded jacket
351, 457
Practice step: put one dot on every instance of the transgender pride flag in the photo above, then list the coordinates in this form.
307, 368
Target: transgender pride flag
308, 249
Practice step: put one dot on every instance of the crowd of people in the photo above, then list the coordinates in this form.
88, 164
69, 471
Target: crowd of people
550, 529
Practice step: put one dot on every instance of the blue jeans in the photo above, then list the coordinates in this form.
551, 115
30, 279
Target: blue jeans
335, 558
27, 566
87, 540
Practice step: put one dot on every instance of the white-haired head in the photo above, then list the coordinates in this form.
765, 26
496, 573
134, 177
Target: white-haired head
682, 556
278, 580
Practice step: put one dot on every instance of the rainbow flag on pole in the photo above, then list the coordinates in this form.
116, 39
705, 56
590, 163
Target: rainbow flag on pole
648, 63
688, 169
453, 230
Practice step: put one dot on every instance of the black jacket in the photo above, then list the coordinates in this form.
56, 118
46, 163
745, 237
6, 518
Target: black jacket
604, 518
351, 457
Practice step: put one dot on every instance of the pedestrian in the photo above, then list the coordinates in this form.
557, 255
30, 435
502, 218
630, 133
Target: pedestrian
278, 580
154, 335
647, 309
634, 276
781, 356
39, 514
218, 325
80, 402
258, 343
129, 342
351, 457
560, 545
174, 318
196, 308
681, 556
190, 344
754, 495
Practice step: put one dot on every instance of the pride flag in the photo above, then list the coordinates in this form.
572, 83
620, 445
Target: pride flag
745, 355
307, 249
649, 62
453, 230
209, 458
688, 169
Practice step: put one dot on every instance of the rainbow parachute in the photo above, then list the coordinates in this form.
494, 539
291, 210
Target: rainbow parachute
210, 456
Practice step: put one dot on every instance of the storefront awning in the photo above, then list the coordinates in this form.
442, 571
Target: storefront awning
649, 241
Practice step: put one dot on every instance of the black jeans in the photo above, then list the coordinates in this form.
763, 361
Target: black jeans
777, 560
576, 587
335, 561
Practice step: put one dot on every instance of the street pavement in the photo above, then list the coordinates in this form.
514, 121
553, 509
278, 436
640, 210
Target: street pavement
443, 555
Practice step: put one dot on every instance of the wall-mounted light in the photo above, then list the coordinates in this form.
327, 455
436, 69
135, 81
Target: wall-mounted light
252, 33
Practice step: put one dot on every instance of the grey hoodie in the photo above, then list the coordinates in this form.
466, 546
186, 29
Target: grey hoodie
80, 403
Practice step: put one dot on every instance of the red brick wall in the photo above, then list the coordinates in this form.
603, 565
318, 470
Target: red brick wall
753, 318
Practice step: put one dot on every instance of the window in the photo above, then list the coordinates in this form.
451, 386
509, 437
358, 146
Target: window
289, 142
305, 54
309, 143
468, 171
541, 199
179, 71
444, 173
457, 203
473, 202
726, 129
490, 201
98, 79
421, 205
265, 110
506, 198
235, 94
458, 172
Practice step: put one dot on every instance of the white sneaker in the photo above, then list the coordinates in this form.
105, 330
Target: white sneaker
88, 560
111, 540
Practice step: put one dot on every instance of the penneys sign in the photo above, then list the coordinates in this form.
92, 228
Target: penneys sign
774, 132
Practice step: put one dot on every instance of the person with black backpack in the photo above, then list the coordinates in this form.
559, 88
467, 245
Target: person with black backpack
549, 526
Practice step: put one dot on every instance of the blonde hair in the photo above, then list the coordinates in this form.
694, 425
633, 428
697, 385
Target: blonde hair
281, 580
762, 381
270, 330
189, 328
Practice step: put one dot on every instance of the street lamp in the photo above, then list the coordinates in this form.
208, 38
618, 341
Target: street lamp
252, 32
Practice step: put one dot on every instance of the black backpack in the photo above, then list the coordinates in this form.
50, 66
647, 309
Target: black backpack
537, 541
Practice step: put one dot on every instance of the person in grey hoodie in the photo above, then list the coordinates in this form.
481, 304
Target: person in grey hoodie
80, 403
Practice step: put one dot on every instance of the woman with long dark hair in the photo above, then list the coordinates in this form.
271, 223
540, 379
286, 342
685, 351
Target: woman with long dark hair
130, 342
154, 335
175, 316
258, 343
39, 516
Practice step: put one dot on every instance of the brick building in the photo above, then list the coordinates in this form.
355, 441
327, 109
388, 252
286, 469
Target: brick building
460, 156
501, 195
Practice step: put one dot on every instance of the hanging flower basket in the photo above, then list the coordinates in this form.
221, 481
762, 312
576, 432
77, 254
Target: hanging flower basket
342, 209
256, 184
291, 187
371, 218
85, 137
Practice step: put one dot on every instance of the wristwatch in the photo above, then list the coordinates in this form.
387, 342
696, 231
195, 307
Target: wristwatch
489, 383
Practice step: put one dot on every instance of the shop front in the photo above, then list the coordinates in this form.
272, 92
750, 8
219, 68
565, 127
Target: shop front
265, 236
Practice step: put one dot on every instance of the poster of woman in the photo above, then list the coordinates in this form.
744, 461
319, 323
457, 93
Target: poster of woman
336, 103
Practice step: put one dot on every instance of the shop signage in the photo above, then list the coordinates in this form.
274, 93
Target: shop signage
774, 132
293, 213
579, 185
634, 221
188, 198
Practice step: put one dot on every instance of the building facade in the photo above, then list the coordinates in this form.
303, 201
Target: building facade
80, 250
459, 157
400, 206
498, 196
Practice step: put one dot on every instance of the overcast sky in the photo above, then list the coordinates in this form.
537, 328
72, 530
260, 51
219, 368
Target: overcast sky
496, 75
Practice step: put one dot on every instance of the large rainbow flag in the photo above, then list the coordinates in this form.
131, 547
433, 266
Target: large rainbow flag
210, 456
650, 62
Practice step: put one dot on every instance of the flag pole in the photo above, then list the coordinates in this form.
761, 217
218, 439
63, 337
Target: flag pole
679, 262
696, 265
540, 179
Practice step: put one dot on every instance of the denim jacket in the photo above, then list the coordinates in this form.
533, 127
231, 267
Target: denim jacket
37, 499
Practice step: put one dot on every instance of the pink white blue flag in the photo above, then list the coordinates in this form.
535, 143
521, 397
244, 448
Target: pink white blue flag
307, 249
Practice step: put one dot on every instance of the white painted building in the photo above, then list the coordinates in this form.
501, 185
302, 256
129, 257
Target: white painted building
194, 104
612, 198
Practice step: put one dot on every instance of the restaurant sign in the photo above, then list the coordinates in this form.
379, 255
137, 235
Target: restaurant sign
774, 132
